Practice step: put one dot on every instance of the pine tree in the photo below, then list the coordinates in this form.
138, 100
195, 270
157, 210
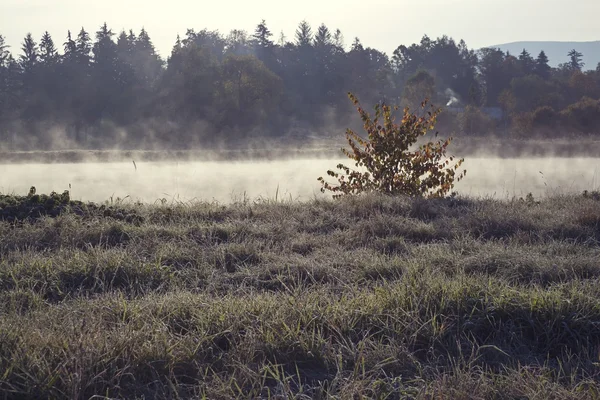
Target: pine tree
146, 63
356, 45
104, 33
542, 68
324, 65
70, 73
29, 58
264, 47
48, 52
338, 40
323, 37
131, 37
70, 47
6, 92
304, 34
144, 43
177, 45
4, 53
104, 49
575, 60
84, 47
124, 46
262, 36
526, 62
10, 85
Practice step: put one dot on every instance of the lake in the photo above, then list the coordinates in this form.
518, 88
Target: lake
294, 178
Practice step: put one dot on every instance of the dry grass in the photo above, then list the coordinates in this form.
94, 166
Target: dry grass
371, 297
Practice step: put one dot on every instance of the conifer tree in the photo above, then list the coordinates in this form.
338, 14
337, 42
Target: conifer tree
526, 62
575, 60
29, 57
541, 65
48, 53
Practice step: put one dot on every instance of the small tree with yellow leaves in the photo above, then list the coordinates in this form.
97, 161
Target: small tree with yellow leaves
386, 162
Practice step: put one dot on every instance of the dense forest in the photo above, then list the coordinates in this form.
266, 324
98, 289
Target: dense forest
103, 89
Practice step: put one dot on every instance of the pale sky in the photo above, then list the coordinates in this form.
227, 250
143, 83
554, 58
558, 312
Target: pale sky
383, 24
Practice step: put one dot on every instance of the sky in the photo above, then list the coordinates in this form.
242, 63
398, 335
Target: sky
382, 24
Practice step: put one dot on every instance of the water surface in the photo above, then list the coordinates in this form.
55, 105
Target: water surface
226, 181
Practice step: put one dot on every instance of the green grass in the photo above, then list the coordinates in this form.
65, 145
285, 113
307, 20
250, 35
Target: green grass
370, 297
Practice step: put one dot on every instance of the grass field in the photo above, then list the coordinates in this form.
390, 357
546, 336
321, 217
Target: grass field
370, 297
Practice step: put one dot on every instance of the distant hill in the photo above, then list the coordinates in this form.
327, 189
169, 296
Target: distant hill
557, 51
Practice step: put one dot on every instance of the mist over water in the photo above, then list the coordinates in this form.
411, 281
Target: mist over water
508, 177
296, 179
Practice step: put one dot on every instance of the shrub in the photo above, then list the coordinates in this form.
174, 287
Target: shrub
583, 116
34, 206
544, 116
391, 167
521, 124
473, 121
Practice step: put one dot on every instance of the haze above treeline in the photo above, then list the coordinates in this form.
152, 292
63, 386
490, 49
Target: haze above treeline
103, 88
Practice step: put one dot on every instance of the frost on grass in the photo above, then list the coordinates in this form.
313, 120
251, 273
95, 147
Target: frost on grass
373, 296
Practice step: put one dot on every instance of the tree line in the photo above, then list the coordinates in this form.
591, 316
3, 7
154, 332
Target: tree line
101, 89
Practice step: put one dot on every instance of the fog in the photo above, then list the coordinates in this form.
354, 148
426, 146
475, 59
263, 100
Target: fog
290, 179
